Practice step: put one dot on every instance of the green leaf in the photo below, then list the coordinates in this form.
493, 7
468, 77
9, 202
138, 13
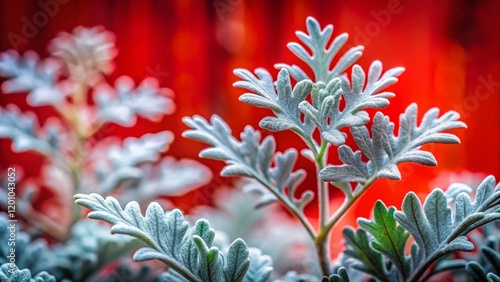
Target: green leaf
367, 259
436, 233
390, 238
189, 251
476, 271
211, 263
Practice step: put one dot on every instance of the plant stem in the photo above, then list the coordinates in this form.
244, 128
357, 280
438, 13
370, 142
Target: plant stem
288, 205
322, 186
74, 164
322, 243
322, 239
348, 203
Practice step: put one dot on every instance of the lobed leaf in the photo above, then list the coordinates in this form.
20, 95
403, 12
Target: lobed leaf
366, 258
27, 73
25, 132
326, 112
385, 150
341, 276
191, 256
250, 158
260, 267
282, 100
124, 103
321, 55
389, 238
436, 232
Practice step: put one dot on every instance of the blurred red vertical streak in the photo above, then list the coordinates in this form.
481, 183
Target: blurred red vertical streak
477, 28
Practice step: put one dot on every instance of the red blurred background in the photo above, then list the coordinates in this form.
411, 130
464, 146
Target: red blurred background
450, 49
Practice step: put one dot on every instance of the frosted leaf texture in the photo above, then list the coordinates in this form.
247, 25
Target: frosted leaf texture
321, 55
250, 158
325, 112
437, 229
190, 254
137, 165
385, 149
329, 117
283, 100
122, 162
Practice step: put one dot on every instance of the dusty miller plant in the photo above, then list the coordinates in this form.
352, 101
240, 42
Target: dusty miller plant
79, 157
331, 102
328, 102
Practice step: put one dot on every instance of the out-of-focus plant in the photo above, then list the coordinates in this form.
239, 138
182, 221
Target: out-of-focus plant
329, 102
79, 156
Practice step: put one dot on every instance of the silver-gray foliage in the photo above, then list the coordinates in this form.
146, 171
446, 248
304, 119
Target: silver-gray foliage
325, 113
251, 158
121, 163
328, 115
89, 249
320, 60
27, 73
438, 230
328, 104
31, 254
25, 132
486, 265
190, 254
385, 149
123, 104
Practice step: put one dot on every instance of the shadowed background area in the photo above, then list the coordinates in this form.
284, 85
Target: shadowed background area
450, 49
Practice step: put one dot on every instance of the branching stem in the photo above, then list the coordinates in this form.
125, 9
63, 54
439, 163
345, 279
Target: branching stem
322, 240
298, 214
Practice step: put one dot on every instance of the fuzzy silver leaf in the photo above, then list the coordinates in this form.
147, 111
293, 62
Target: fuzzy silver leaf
250, 158
320, 57
168, 240
385, 150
